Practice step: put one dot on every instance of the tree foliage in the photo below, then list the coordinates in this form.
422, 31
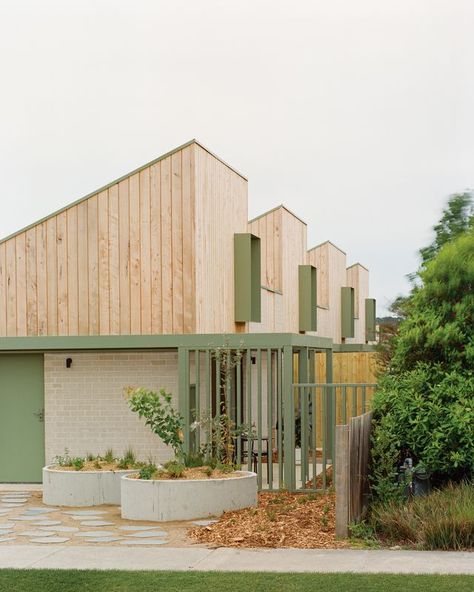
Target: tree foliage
424, 407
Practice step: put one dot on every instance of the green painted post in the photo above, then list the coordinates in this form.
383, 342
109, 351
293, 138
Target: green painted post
270, 418
304, 414
329, 406
184, 399
288, 419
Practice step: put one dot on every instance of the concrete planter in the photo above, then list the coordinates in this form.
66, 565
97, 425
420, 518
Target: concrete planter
186, 499
82, 488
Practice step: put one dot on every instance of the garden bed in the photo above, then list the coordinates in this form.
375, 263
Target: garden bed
64, 486
305, 521
167, 499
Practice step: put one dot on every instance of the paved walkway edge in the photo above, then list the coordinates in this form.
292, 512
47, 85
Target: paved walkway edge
231, 559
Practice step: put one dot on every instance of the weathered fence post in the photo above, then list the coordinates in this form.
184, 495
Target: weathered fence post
351, 473
342, 480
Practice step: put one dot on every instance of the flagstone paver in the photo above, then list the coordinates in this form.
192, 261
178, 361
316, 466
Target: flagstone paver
50, 540
96, 523
95, 533
149, 534
81, 513
133, 527
36, 533
144, 542
60, 528
103, 540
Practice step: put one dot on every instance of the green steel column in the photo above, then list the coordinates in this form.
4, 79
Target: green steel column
288, 419
330, 406
183, 394
304, 414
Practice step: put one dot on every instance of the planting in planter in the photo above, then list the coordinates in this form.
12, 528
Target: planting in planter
194, 485
86, 481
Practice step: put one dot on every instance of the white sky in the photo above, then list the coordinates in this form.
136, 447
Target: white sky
358, 115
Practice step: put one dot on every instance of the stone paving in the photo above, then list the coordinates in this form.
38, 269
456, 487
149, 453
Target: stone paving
25, 519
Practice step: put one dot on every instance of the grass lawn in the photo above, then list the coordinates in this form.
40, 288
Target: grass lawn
12, 580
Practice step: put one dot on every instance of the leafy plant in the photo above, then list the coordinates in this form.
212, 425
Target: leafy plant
147, 471
78, 463
63, 460
128, 460
159, 415
109, 456
175, 469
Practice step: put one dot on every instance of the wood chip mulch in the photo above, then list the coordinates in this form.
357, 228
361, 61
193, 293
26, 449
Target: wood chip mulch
304, 521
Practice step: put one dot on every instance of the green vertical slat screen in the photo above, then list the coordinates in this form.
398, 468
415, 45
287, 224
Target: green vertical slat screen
370, 319
347, 312
307, 298
247, 278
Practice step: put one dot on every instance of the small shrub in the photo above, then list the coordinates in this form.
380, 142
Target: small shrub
208, 471
443, 520
78, 463
64, 460
109, 456
175, 469
193, 459
147, 472
90, 457
128, 460
97, 464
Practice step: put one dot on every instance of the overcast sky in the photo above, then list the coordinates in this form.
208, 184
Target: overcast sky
357, 115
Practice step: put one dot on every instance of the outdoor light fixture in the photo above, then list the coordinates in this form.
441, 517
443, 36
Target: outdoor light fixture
68, 362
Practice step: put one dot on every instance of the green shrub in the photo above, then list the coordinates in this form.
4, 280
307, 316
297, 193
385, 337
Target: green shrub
426, 414
147, 471
175, 469
78, 463
109, 456
443, 520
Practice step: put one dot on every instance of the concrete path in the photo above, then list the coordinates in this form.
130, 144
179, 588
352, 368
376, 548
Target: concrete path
228, 559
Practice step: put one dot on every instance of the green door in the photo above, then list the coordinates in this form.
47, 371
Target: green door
21, 418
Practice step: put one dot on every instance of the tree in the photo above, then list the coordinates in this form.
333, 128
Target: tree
424, 406
457, 218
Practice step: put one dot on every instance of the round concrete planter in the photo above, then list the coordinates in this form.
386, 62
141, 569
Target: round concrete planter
82, 488
186, 499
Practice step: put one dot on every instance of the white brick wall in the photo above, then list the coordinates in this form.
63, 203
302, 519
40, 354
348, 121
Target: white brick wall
85, 409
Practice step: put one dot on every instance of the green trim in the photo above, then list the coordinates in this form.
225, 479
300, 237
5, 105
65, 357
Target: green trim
328, 242
307, 298
276, 208
347, 312
202, 340
370, 319
247, 273
121, 342
122, 178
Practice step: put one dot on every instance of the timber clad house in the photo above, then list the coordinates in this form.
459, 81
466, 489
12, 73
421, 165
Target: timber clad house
138, 283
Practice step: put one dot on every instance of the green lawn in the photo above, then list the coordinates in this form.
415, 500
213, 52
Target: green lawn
12, 580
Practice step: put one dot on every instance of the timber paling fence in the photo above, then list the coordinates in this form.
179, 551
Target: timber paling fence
352, 462
291, 442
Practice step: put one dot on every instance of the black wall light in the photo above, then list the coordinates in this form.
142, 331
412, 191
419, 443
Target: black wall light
68, 362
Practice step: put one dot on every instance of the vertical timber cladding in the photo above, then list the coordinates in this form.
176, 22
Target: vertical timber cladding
347, 312
247, 278
370, 319
307, 298
21, 418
